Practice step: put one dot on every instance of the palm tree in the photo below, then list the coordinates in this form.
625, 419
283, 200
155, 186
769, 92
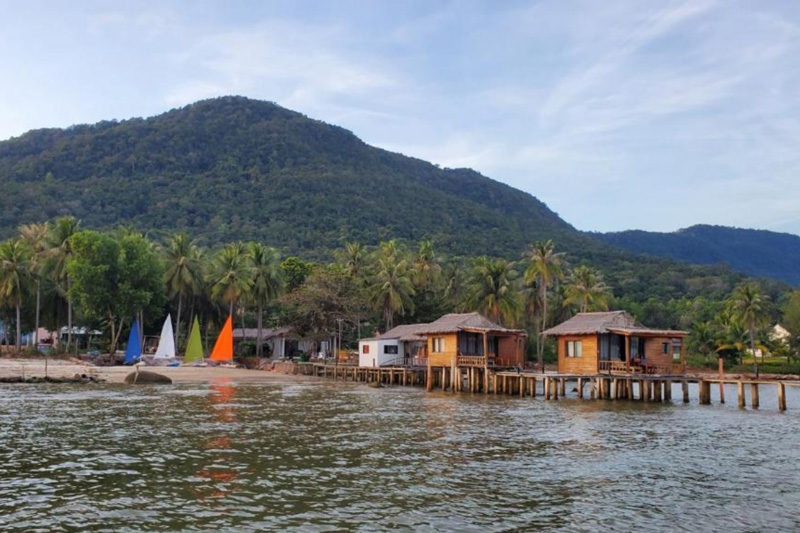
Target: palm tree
267, 280
586, 288
182, 256
392, 288
749, 308
426, 264
703, 339
14, 275
230, 274
492, 290
354, 259
59, 251
545, 267
35, 237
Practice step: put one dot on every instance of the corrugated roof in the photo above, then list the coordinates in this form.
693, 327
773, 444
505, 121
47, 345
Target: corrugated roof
605, 322
406, 332
459, 321
266, 333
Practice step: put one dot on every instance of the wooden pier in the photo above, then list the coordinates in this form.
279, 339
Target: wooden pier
548, 386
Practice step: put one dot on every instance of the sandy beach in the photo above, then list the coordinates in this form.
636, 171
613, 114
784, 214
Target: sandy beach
60, 368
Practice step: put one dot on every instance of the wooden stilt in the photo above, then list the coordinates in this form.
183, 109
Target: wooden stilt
754, 395
580, 387
740, 394
685, 390
668, 390
781, 397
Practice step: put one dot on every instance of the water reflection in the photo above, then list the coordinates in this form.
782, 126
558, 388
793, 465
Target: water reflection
231, 456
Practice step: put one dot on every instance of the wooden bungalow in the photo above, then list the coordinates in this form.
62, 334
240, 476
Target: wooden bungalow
469, 343
614, 342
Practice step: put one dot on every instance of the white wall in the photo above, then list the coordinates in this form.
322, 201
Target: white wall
376, 356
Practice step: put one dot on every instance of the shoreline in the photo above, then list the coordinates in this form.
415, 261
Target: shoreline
28, 367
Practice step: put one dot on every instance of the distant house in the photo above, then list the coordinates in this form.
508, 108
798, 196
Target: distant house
400, 346
277, 343
779, 334
614, 342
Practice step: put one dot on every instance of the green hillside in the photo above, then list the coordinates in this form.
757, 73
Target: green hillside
754, 252
234, 168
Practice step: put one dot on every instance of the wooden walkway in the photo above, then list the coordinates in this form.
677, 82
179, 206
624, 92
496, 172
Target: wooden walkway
644, 388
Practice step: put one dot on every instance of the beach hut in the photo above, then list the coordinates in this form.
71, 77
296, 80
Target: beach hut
400, 346
614, 342
470, 339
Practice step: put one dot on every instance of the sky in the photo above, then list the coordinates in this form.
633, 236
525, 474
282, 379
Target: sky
652, 115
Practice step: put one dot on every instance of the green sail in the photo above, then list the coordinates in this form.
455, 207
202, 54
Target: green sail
194, 348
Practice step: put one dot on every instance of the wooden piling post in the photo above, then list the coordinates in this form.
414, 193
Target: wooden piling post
645, 392
685, 388
740, 394
563, 386
668, 390
754, 395
580, 388
781, 396
629, 389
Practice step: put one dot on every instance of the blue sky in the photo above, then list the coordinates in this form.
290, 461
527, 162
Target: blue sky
618, 115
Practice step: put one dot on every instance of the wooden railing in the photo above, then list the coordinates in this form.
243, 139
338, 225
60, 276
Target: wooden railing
470, 360
612, 366
419, 360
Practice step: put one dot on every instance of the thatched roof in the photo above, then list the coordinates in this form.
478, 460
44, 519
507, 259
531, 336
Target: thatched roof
455, 322
607, 322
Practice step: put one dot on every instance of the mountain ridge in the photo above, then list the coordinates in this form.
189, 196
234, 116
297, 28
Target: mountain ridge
753, 252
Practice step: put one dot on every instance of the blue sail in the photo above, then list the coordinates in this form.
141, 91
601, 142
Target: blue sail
133, 352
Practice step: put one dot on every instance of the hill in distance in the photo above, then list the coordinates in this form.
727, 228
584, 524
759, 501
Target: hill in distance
233, 168
754, 252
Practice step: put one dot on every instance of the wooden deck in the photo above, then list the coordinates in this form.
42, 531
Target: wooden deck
551, 386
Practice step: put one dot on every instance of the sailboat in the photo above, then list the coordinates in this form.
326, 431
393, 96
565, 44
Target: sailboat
166, 344
133, 351
223, 349
194, 347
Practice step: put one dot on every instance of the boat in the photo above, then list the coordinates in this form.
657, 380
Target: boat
133, 351
165, 352
194, 347
223, 348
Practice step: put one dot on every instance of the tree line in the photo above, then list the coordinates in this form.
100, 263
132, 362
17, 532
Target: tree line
57, 273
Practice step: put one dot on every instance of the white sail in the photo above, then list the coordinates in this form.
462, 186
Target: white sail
166, 344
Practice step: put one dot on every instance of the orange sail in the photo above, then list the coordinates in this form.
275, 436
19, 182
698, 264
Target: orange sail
223, 349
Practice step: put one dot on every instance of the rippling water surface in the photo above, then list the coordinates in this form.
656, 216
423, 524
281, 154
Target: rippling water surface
230, 456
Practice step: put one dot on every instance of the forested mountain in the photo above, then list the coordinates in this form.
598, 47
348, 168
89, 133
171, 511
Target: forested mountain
755, 252
234, 168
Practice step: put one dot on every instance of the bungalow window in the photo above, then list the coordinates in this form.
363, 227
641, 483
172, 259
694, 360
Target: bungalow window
365, 348
676, 350
574, 348
438, 344
665, 348
390, 349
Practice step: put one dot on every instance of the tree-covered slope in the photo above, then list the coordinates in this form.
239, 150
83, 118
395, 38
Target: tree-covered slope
238, 169
234, 168
755, 252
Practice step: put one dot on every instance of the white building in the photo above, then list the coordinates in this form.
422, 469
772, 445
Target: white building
397, 347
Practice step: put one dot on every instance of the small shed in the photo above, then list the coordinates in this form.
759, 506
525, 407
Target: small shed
400, 346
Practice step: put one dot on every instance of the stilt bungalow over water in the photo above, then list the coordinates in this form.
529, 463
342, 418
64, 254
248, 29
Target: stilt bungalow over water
614, 342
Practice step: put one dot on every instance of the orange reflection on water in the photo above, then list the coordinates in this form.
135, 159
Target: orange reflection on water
223, 395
